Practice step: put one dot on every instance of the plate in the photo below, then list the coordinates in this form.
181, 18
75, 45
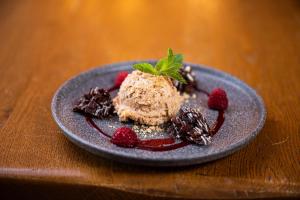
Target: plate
244, 118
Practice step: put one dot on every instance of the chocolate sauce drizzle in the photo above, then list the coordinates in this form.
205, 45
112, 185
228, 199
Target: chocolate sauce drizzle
163, 144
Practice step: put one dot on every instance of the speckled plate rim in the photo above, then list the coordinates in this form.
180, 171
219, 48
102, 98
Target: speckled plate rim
162, 161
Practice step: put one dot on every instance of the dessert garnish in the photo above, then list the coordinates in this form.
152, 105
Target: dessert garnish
118, 80
190, 125
168, 66
218, 99
96, 103
125, 137
191, 83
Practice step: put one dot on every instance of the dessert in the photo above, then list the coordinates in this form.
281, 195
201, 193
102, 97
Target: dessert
148, 95
147, 99
97, 102
124, 137
218, 99
190, 125
191, 83
120, 78
153, 95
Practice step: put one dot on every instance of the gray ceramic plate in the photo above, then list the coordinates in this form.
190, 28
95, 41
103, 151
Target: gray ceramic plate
244, 118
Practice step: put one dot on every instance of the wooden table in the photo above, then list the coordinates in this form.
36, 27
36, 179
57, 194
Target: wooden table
43, 43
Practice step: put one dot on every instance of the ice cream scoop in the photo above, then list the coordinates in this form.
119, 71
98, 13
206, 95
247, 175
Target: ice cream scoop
147, 99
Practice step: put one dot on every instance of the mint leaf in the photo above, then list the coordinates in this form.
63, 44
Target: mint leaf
177, 76
163, 64
170, 54
160, 64
172, 62
178, 58
167, 66
145, 67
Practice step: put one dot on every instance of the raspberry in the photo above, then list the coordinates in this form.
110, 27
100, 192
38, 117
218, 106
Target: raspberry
218, 99
124, 137
120, 78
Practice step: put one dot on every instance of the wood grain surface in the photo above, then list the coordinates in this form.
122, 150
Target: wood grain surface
43, 43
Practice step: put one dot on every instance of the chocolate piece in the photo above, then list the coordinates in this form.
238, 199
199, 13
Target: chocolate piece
190, 125
96, 103
187, 73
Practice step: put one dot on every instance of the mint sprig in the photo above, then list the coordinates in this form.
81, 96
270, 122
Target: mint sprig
168, 66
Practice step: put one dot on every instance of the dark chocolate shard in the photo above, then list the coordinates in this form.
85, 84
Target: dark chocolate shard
190, 125
191, 83
97, 103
